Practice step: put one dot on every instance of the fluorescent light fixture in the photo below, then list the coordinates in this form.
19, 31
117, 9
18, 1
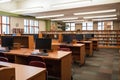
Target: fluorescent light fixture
69, 2
99, 16
28, 9
3, 1
104, 19
50, 16
59, 19
74, 21
95, 12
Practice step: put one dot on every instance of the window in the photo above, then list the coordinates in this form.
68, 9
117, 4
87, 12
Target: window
107, 25
5, 25
31, 26
100, 25
84, 26
70, 27
26, 26
87, 26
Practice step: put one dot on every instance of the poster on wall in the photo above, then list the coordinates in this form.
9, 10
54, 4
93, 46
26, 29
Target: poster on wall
53, 26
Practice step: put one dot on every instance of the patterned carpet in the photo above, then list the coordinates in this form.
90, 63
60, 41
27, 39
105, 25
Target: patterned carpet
104, 65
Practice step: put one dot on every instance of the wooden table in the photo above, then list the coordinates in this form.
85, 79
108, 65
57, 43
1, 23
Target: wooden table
88, 47
23, 72
78, 51
58, 62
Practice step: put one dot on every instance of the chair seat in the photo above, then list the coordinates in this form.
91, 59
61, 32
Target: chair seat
3, 59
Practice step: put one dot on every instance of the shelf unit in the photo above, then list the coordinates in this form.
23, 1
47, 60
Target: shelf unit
106, 38
25, 41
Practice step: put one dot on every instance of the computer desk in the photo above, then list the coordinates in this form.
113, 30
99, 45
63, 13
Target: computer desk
78, 51
58, 62
88, 47
23, 72
95, 43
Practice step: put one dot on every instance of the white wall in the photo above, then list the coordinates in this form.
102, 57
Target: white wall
19, 23
42, 26
78, 26
16, 23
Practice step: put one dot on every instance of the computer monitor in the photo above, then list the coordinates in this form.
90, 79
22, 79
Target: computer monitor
35, 36
7, 41
43, 44
67, 38
45, 35
88, 36
79, 37
92, 35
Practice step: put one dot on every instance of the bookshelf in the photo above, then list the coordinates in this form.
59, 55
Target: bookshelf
105, 38
108, 38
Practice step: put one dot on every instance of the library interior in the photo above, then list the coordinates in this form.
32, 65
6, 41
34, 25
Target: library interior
64, 40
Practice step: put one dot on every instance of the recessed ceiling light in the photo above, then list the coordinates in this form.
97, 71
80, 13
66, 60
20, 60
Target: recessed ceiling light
95, 12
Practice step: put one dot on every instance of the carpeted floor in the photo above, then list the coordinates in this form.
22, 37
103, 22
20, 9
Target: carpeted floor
104, 65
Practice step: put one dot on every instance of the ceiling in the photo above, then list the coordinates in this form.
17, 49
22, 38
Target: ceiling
66, 7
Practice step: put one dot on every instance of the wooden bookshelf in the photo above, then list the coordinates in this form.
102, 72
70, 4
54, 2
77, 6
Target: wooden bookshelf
108, 38
105, 38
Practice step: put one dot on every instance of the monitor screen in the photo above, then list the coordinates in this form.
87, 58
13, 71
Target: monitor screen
7, 41
43, 44
88, 36
79, 37
35, 36
67, 38
45, 35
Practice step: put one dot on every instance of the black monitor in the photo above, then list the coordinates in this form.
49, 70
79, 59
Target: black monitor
67, 38
79, 37
88, 36
46, 35
7, 41
35, 36
43, 44
92, 35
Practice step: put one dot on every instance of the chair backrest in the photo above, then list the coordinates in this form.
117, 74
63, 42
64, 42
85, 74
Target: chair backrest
3, 59
64, 49
37, 64
2, 55
35, 58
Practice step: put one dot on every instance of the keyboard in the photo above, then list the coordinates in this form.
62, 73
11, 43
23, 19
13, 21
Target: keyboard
3, 50
40, 53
